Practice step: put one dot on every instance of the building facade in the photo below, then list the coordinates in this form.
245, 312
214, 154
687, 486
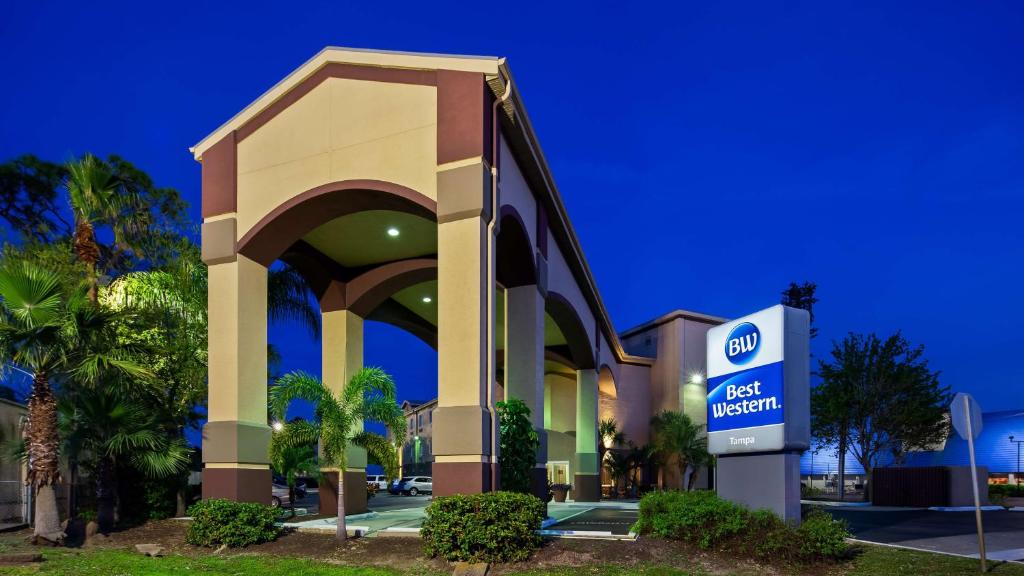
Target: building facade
411, 189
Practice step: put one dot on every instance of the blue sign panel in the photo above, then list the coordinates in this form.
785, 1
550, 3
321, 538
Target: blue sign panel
742, 343
752, 397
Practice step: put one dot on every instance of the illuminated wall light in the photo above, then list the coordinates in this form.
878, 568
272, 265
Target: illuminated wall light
393, 232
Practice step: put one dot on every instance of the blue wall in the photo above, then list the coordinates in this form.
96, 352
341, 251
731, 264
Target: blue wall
992, 449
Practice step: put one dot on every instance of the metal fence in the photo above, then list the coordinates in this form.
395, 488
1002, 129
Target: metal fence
14, 501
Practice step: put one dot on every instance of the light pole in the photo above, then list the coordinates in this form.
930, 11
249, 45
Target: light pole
1018, 443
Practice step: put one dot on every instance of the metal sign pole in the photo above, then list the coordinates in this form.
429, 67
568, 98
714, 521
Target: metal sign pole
974, 483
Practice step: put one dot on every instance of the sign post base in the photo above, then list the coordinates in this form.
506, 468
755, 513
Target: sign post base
756, 481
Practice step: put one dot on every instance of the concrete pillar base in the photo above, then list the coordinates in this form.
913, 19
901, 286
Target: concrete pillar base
238, 484
355, 493
463, 477
756, 481
586, 488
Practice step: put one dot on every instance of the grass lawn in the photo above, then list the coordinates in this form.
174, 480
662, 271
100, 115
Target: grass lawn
870, 560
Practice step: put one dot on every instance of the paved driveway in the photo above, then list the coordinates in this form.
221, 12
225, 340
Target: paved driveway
951, 532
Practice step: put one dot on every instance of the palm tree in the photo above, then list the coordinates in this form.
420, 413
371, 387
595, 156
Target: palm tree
368, 397
97, 194
638, 457
675, 435
610, 435
103, 427
618, 465
289, 462
52, 335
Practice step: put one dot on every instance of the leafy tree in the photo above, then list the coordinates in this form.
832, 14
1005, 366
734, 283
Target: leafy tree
519, 443
368, 397
52, 335
104, 428
289, 462
882, 396
677, 437
802, 296
29, 201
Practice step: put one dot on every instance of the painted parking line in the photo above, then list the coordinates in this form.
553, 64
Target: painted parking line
989, 555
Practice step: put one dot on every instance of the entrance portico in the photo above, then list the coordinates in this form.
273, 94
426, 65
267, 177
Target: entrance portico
407, 189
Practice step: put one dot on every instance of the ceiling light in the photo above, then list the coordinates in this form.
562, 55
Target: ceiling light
427, 299
393, 232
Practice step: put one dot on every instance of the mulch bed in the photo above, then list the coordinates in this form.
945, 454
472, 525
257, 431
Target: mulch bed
406, 553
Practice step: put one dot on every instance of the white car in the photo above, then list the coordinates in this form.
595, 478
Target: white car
380, 481
417, 485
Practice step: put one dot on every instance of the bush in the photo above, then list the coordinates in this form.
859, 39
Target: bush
704, 519
1007, 490
237, 524
489, 527
821, 536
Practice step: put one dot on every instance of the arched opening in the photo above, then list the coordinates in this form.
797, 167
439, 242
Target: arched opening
368, 251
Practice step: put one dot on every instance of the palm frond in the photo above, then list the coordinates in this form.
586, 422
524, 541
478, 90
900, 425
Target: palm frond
379, 448
289, 297
297, 385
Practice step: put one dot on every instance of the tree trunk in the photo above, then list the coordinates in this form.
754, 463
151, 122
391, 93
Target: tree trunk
47, 526
88, 253
179, 508
342, 530
105, 495
842, 467
43, 457
291, 498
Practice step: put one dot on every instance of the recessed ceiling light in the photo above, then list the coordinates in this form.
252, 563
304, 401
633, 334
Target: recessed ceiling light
393, 232
427, 299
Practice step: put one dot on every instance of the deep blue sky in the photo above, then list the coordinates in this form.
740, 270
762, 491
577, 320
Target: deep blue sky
708, 155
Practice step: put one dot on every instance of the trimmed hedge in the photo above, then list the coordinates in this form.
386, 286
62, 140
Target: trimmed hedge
237, 524
1011, 490
488, 527
704, 519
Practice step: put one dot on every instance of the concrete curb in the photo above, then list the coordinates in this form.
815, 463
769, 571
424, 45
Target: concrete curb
963, 508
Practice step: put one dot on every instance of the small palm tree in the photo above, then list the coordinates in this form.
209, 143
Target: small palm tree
52, 335
289, 462
675, 435
368, 397
104, 427
618, 465
609, 435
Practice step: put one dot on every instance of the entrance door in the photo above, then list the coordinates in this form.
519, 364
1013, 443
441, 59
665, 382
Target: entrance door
558, 472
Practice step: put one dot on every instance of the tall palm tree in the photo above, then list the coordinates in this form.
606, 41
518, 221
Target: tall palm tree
52, 335
97, 194
676, 436
368, 397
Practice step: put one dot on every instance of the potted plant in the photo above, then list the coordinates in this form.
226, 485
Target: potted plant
559, 491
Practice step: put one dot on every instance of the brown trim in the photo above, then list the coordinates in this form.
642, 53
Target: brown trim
238, 484
220, 177
463, 116
290, 221
586, 488
461, 478
564, 314
369, 290
335, 70
355, 493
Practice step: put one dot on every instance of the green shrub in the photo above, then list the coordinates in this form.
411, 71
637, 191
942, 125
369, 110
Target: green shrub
821, 536
489, 527
1006, 490
237, 524
704, 519
700, 517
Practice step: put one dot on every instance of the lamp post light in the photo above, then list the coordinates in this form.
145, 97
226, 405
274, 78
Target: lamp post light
1018, 443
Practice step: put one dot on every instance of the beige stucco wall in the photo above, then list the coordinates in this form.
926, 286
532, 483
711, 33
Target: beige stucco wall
561, 280
516, 192
341, 130
632, 407
560, 402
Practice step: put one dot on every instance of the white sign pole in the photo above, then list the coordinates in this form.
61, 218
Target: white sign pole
974, 482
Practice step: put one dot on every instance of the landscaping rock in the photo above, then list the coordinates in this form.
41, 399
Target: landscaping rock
471, 569
21, 558
91, 529
150, 549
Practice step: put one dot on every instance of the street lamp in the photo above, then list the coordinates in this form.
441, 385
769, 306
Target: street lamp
1018, 443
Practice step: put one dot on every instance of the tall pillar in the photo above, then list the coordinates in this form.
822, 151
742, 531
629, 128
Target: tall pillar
236, 437
341, 358
587, 480
524, 367
464, 455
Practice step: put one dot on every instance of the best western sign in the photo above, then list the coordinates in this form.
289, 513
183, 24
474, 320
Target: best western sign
758, 388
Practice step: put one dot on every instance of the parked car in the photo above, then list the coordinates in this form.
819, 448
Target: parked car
279, 494
380, 481
395, 486
417, 485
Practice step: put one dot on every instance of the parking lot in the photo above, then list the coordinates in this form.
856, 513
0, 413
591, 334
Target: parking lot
949, 532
